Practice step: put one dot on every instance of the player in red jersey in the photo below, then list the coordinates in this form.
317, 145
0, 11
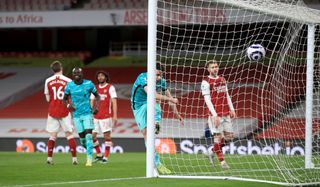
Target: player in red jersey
107, 115
58, 115
220, 110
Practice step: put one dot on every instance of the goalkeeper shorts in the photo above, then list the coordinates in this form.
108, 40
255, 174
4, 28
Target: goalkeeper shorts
140, 115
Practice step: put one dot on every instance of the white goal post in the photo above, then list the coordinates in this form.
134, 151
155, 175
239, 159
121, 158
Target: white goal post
277, 124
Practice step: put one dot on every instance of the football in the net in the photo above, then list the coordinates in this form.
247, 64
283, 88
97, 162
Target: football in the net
256, 52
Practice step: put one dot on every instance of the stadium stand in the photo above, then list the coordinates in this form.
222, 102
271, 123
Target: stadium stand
21, 83
23, 73
83, 55
115, 4
35, 5
58, 5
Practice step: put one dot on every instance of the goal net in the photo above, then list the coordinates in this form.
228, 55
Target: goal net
269, 96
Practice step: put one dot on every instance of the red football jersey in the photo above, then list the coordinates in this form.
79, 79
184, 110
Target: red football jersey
55, 86
106, 92
218, 93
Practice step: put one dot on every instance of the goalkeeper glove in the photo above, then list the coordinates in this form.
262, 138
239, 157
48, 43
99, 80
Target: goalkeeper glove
157, 129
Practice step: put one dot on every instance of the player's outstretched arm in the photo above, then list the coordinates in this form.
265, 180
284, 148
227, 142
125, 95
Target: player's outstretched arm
162, 97
166, 98
96, 106
173, 107
177, 115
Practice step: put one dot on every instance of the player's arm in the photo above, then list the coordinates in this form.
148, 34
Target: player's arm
173, 107
113, 95
96, 106
92, 100
162, 97
94, 92
231, 108
205, 89
65, 99
66, 102
47, 97
114, 110
46, 91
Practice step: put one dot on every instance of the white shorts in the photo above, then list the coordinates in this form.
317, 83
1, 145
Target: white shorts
103, 125
54, 124
225, 125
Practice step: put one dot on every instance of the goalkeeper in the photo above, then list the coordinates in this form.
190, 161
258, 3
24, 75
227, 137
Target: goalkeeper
139, 107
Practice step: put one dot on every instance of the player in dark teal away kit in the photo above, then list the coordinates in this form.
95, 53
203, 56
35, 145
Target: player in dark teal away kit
79, 90
139, 107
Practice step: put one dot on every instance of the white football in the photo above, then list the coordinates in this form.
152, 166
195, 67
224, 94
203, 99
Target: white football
256, 52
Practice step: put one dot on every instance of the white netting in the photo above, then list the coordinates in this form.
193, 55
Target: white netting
268, 96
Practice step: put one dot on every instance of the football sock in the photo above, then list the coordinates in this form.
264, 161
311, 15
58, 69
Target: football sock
89, 144
107, 144
97, 146
51, 143
218, 150
156, 159
72, 145
222, 142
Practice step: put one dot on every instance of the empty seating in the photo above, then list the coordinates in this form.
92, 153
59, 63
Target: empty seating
83, 55
115, 4
58, 5
35, 5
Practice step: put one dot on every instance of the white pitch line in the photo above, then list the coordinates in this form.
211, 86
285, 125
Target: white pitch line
76, 182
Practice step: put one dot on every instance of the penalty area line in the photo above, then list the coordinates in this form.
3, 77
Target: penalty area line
76, 182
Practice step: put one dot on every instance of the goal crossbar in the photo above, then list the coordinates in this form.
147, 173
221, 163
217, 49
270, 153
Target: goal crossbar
296, 13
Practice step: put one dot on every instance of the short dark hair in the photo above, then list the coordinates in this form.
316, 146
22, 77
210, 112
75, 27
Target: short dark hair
76, 69
159, 67
56, 66
106, 74
211, 62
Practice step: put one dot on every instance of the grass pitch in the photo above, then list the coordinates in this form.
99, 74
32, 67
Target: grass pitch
30, 169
